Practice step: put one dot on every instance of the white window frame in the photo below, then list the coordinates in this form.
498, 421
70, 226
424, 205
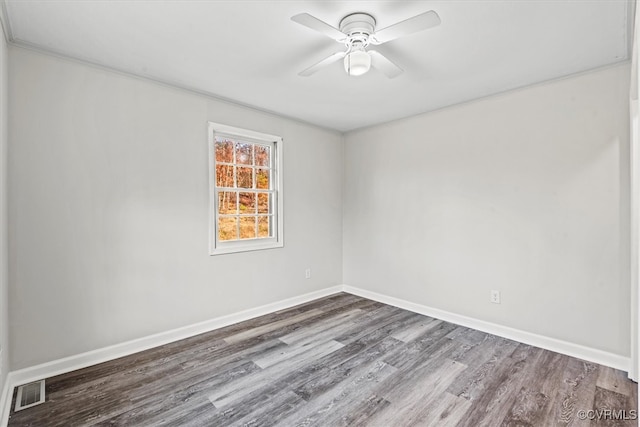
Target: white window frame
217, 247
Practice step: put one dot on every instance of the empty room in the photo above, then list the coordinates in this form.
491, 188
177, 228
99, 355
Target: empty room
319, 213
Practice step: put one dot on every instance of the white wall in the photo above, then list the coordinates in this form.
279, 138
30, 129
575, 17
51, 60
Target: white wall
108, 208
524, 192
4, 276
634, 200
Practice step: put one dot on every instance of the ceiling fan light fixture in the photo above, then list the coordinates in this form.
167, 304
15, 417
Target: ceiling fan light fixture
357, 62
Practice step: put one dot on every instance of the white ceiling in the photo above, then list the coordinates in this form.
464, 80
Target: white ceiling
251, 52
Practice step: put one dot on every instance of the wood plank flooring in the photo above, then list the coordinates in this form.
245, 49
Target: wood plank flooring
338, 361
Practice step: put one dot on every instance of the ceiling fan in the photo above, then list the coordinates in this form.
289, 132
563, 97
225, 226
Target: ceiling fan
358, 31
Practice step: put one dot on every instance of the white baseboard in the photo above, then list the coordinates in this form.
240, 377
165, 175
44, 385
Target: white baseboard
570, 349
79, 361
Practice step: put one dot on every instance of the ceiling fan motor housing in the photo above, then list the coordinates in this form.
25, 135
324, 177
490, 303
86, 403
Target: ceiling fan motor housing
358, 27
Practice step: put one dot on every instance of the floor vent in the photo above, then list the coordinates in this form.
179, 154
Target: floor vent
29, 395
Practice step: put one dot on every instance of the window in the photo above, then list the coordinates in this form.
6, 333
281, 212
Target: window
246, 190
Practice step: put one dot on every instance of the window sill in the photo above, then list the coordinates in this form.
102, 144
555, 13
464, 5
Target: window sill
244, 247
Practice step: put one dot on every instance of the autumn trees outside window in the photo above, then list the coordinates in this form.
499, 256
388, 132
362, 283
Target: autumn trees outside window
246, 190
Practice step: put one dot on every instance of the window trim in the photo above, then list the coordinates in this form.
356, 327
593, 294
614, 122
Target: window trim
277, 241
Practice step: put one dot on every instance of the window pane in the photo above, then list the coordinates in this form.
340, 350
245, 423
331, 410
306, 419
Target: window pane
245, 177
224, 176
227, 202
263, 203
248, 227
262, 179
263, 226
263, 155
244, 153
227, 228
224, 150
247, 203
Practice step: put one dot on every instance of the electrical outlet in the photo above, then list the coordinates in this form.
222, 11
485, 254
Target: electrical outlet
495, 297
307, 273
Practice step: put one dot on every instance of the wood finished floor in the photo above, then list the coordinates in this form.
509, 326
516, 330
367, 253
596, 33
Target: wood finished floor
340, 360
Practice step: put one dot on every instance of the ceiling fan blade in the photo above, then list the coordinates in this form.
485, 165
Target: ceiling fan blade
408, 26
329, 60
385, 65
318, 25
